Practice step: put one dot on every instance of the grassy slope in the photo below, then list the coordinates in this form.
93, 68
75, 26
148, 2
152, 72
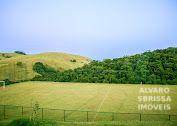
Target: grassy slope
59, 61
8, 55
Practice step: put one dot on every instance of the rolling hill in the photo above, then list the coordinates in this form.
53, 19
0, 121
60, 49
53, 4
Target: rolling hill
19, 67
151, 67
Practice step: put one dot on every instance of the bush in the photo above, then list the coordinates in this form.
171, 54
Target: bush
6, 56
20, 52
39, 68
21, 122
73, 60
8, 82
19, 64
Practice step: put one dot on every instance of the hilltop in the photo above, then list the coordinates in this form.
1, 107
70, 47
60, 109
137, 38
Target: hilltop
4, 56
15, 66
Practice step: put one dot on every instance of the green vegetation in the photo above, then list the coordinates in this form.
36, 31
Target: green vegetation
20, 52
22, 122
78, 96
157, 67
28, 122
149, 68
92, 97
118, 123
73, 60
19, 67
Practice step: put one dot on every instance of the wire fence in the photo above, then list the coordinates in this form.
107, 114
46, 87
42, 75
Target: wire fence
14, 112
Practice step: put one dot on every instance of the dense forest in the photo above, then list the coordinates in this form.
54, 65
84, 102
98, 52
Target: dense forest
156, 67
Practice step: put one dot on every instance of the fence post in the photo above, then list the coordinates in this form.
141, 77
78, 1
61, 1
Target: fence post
4, 111
87, 116
22, 111
140, 116
42, 113
64, 115
112, 116
169, 117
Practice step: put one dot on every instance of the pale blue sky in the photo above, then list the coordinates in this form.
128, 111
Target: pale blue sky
95, 28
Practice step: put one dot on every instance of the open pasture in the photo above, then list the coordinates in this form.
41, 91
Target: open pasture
80, 96
118, 98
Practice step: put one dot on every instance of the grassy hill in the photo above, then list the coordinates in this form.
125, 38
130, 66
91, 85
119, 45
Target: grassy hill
151, 67
4, 56
19, 67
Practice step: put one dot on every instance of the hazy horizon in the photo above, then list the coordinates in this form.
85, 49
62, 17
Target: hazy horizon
98, 29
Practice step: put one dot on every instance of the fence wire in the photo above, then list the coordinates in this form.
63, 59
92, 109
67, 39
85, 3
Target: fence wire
15, 112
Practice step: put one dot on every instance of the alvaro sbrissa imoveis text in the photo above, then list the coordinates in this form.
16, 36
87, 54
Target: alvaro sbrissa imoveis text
156, 98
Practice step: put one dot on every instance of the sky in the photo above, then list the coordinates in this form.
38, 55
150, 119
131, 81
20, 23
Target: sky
98, 29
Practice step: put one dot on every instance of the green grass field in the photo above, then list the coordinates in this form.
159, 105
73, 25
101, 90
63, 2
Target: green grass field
95, 97
119, 98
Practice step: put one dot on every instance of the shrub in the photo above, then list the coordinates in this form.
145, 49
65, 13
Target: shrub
8, 82
20, 52
39, 68
19, 64
21, 122
6, 56
73, 60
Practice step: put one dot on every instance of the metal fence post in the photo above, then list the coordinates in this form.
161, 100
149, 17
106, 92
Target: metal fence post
87, 116
64, 115
4, 111
22, 111
169, 117
140, 116
42, 113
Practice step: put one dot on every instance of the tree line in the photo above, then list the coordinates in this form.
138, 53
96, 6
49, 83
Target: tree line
156, 67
